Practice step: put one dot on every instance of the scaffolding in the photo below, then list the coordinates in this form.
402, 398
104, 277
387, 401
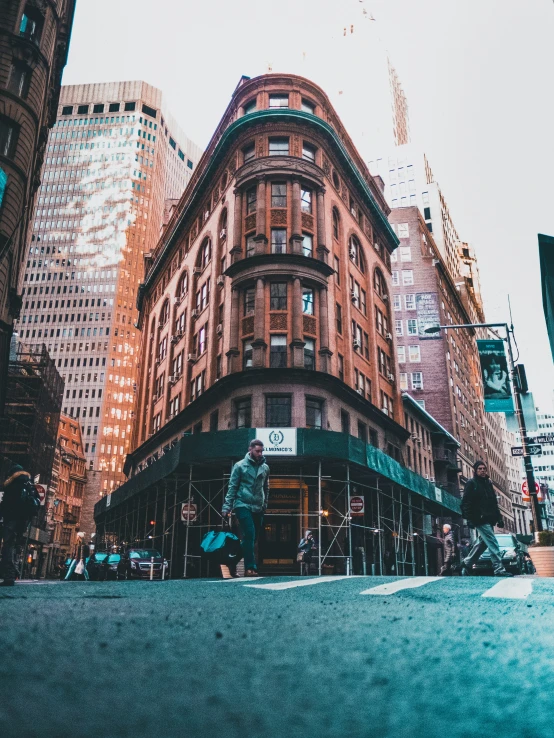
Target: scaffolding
395, 534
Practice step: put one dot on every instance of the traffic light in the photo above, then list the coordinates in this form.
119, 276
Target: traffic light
521, 378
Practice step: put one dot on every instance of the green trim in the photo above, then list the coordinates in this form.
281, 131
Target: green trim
228, 139
226, 446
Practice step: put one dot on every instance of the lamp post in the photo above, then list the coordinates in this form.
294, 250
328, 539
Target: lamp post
529, 472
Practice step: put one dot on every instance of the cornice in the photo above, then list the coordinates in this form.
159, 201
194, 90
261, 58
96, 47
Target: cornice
303, 266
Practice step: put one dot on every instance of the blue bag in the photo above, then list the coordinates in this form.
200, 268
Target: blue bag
221, 547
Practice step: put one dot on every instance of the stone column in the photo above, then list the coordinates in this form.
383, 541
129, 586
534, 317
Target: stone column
261, 237
324, 351
258, 344
237, 250
322, 250
296, 235
233, 353
297, 343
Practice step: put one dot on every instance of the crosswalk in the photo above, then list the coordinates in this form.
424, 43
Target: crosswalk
518, 588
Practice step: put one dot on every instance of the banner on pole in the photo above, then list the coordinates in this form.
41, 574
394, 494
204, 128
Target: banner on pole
496, 378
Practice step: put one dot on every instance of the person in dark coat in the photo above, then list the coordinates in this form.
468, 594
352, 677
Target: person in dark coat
307, 546
449, 551
14, 523
480, 508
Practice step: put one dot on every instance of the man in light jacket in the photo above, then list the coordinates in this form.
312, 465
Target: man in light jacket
247, 498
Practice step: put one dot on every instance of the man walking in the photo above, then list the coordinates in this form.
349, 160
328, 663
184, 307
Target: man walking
449, 551
15, 519
247, 498
480, 508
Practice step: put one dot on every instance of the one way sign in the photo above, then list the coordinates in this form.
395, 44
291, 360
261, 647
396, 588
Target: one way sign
534, 449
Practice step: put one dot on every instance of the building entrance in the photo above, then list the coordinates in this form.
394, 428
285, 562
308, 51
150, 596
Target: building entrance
282, 527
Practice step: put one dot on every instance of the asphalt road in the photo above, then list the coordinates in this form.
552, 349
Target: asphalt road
323, 660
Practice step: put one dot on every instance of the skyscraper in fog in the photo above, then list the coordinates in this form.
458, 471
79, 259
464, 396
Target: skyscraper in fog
113, 159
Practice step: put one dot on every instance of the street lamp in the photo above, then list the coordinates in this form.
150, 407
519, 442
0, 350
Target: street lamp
529, 472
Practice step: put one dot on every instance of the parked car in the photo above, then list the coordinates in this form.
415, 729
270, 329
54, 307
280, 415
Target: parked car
513, 556
111, 567
95, 569
136, 563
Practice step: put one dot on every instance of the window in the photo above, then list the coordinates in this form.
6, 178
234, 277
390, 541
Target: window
306, 201
278, 241
250, 106
247, 355
243, 412
250, 245
164, 315
414, 353
401, 354
337, 269
8, 136
363, 301
278, 101
130, 106
314, 413
278, 147
409, 301
202, 339
379, 283
278, 195
307, 244
307, 107
340, 367
407, 277
277, 352
67, 110
403, 379
205, 253
248, 153
398, 328
405, 253
251, 198
99, 107
278, 296
394, 257
249, 300
386, 404
403, 230
427, 214
82, 109
355, 252
308, 152
338, 317
31, 25
20, 77
152, 112
395, 281
307, 301
183, 286
362, 431
336, 224
417, 381
411, 325
344, 422
309, 353
278, 412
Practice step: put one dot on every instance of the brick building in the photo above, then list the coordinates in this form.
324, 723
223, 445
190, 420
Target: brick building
266, 310
34, 40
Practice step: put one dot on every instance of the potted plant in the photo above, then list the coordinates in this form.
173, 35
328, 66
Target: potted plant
542, 554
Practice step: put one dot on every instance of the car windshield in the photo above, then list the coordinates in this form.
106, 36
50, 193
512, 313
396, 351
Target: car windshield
146, 553
504, 540
114, 558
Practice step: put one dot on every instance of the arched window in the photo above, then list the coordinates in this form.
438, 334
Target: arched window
223, 225
182, 286
205, 254
356, 254
379, 284
336, 224
164, 315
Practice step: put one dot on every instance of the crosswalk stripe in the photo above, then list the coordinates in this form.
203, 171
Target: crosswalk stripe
399, 585
298, 583
511, 589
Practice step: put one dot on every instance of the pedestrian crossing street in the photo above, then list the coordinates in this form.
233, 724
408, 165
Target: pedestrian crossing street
517, 588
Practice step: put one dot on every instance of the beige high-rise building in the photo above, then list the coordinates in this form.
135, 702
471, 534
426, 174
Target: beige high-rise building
113, 158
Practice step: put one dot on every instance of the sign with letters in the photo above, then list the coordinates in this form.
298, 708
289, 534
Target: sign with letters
278, 441
496, 376
428, 315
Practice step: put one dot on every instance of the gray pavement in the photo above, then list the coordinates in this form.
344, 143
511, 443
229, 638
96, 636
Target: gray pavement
336, 657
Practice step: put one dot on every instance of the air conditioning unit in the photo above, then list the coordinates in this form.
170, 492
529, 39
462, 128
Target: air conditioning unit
354, 297
197, 270
194, 313
415, 438
192, 358
206, 215
176, 337
431, 479
384, 298
352, 254
390, 377
219, 329
220, 281
356, 344
426, 476
173, 378
360, 391
223, 233
389, 336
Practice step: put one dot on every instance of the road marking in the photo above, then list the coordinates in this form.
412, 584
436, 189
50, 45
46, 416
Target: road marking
298, 583
510, 589
399, 585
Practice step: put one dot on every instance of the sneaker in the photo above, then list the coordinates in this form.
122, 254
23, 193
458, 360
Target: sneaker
251, 573
502, 573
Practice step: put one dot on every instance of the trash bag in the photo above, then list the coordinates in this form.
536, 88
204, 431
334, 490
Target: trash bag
221, 547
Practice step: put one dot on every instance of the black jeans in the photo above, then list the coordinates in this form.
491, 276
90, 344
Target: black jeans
250, 524
11, 532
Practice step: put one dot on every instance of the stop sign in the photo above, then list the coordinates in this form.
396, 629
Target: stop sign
41, 492
357, 505
188, 512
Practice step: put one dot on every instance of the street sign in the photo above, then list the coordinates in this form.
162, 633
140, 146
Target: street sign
188, 512
357, 505
41, 493
544, 439
525, 492
534, 449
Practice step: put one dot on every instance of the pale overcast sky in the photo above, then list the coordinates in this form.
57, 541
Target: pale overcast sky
477, 74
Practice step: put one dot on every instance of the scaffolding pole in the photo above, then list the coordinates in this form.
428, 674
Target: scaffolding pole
188, 525
349, 520
320, 507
